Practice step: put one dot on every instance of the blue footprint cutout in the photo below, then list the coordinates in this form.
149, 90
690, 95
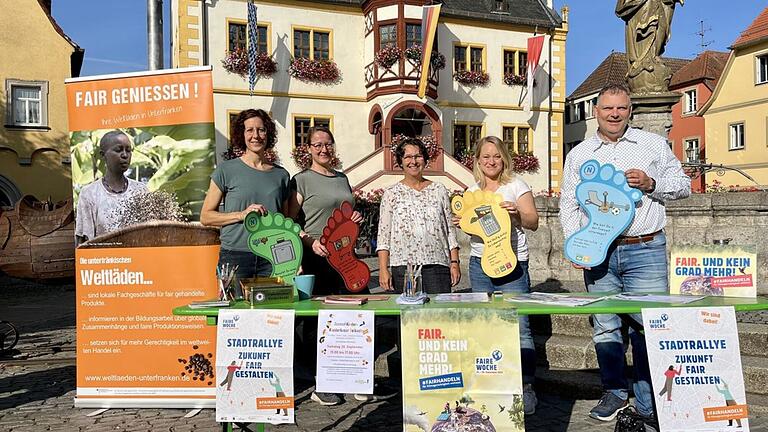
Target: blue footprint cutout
610, 204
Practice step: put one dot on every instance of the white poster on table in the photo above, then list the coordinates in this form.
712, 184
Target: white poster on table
345, 351
695, 365
254, 366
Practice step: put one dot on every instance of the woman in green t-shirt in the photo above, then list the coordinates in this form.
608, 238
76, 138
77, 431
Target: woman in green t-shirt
250, 182
316, 192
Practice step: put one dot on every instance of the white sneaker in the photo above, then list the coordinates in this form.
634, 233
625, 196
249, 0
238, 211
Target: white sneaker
326, 399
364, 397
380, 392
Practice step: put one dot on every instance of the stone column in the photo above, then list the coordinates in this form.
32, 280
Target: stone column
652, 112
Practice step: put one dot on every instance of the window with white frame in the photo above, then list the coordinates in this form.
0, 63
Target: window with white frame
692, 150
589, 106
28, 105
690, 102
762, 69
578, 112
736, 136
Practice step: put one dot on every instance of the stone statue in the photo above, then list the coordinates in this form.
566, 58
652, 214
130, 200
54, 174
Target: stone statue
648, 24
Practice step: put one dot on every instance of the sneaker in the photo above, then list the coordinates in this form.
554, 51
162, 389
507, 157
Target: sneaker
326, 399
364, 397
529, 400
380, 392
608, 407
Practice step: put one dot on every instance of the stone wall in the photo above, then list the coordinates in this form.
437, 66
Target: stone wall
697, 220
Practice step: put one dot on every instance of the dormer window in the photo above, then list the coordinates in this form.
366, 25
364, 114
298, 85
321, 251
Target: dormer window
501, 6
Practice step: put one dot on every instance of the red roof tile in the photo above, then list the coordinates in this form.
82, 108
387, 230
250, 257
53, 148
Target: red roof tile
613, 70
707, 67
756, 32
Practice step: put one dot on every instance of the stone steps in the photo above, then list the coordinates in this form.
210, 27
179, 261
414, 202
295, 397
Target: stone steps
753, 338
585, 384
569, 352
568, 364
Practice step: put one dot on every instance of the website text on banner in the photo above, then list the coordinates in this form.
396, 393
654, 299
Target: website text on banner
142, 150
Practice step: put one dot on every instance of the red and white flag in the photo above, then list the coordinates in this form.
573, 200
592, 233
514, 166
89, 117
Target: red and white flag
535, 44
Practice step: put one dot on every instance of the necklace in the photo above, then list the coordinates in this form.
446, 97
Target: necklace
109, 188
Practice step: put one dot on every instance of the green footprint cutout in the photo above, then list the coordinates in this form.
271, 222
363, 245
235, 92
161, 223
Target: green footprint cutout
276, 239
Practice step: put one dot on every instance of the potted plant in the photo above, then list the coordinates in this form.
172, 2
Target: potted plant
471, 78
512, 79
525, 162
236, 62
388, 56
317, 71
466, 158
437, 59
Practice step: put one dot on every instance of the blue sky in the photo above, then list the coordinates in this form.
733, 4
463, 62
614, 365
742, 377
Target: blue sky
113, 33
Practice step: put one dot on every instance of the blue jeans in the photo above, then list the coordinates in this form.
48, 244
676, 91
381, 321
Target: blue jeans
640, 267
516, 282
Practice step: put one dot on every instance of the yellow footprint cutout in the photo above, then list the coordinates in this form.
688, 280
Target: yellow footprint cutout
482, 216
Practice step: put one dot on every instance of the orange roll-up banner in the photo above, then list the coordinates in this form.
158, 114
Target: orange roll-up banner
141, 250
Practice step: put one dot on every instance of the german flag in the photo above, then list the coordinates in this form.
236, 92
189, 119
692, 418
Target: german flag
428, 33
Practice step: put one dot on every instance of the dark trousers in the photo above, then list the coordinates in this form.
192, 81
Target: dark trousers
327, 279
435, 278
248, 266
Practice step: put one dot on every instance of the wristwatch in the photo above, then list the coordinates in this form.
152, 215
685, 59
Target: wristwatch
455, 262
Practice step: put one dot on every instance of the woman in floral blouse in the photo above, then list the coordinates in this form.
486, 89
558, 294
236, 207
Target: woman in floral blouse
415, 227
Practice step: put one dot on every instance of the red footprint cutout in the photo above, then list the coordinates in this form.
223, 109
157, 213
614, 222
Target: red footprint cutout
339, 237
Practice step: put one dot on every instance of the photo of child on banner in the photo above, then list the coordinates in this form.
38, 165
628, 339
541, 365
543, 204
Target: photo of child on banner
482, 215
142, 151
605, 196
340, 237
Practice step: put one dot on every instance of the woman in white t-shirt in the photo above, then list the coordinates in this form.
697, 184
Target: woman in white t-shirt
492, 173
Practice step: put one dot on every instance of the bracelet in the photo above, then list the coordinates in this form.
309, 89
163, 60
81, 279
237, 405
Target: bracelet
454, 261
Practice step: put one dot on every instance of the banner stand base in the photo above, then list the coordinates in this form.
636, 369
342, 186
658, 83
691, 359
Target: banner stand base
144, 403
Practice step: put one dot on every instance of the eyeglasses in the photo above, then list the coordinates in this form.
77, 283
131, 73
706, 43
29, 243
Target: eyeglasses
318, 146
413, 157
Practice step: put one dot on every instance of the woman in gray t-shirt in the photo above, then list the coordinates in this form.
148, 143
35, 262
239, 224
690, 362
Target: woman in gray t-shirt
316, 193
244, 184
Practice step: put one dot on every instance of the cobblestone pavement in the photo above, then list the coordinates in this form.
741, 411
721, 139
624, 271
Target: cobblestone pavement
37, 385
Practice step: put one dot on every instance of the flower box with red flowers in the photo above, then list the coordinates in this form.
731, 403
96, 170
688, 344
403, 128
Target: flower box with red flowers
318, 71
414, 52
236, 62
471, 78
525, 162
388, 56
512, 79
